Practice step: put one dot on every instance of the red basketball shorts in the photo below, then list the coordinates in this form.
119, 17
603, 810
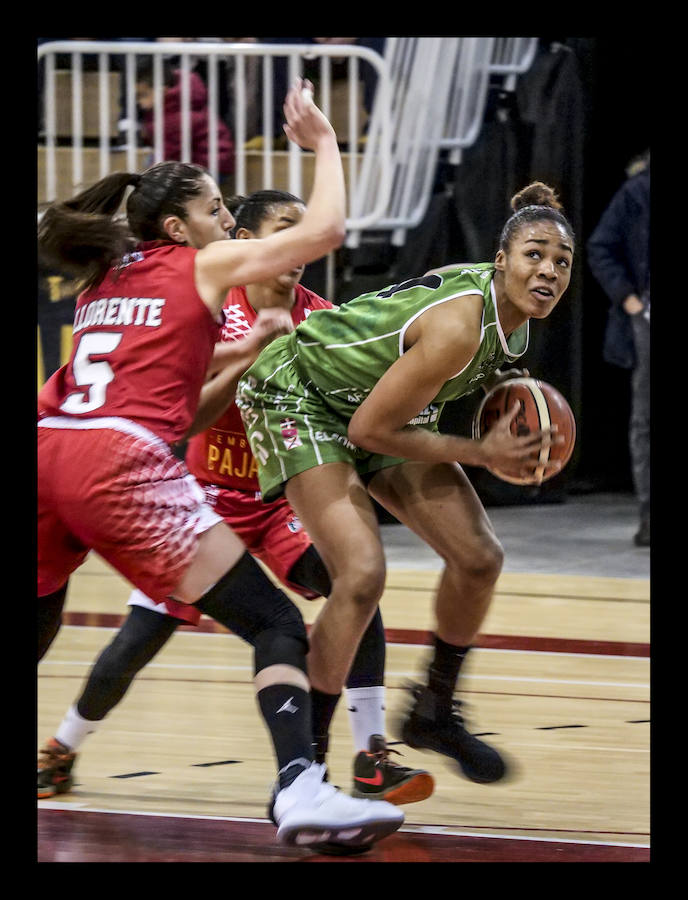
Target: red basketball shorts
111, 486
272, 533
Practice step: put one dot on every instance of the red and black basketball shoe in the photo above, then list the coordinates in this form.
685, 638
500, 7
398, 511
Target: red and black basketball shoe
376, 777
54, 769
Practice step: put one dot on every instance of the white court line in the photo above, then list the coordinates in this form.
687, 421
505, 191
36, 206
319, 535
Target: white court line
396, 674
423, 829
581, 747
154, 665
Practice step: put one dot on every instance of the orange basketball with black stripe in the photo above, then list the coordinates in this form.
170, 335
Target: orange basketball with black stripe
540, 406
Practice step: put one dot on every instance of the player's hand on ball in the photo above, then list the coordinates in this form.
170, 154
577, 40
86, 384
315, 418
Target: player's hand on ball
537, 414
513, 455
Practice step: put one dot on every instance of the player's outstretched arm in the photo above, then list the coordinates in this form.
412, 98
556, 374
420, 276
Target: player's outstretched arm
224, 264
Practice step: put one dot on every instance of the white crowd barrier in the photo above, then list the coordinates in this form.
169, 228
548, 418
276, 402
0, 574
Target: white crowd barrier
430, 98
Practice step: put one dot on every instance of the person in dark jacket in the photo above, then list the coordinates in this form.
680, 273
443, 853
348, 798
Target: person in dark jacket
619, 257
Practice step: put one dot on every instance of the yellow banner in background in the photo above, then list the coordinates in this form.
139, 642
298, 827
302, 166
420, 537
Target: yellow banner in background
66, 340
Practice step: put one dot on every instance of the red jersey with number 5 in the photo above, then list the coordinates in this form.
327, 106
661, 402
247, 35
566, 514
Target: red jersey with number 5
143, 339
221, 455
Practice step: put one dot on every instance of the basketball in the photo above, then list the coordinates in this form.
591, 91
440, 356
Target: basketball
541, 406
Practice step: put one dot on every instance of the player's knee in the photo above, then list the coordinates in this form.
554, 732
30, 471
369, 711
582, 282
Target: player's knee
363, 584
123, 658
285, 646
135, 644
481, 560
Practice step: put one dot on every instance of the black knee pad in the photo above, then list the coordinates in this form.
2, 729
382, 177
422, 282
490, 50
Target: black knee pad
246, 602
310, 572
275, 647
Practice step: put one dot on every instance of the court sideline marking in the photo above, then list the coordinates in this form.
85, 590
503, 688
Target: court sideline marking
408, 827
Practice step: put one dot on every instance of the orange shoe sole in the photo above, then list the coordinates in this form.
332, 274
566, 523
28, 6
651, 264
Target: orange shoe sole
413, 791
55, 789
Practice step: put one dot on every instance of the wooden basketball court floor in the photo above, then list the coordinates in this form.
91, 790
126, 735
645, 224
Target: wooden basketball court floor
181, 770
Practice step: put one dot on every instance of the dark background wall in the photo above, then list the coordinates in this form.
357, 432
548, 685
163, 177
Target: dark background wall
617, 84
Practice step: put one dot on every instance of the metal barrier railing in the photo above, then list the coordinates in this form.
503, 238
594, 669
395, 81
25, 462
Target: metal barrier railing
512, 57
430, 97
295, 54
472, 71
439, 92
478, 60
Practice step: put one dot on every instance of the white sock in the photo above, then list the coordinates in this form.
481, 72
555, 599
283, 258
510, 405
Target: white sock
366, 708
73, 729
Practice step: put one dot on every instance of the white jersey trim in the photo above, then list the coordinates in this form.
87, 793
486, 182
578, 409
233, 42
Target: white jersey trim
138, 598
378, 337
420, 312
502, 339
116, 423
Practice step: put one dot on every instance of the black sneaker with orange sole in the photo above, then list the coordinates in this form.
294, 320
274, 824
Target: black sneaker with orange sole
55, 764
377, 777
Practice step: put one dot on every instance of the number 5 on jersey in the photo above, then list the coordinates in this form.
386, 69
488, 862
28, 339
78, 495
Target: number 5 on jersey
93, 376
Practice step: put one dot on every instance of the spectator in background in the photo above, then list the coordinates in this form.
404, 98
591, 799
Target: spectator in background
172, 117
367, 74
619, 257
89, 63
199, 65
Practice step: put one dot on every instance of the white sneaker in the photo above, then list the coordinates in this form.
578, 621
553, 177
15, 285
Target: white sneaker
310, 811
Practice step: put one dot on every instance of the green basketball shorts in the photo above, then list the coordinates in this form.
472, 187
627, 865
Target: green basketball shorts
289, 426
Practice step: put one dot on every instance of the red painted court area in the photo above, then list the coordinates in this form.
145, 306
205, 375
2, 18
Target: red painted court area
78, 836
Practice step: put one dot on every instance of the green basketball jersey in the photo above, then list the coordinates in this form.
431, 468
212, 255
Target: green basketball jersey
341, 353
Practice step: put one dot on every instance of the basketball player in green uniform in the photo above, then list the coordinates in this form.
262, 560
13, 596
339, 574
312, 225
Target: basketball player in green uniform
347, 407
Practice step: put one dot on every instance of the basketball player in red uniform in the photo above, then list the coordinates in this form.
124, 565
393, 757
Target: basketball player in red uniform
221, 460
144, 333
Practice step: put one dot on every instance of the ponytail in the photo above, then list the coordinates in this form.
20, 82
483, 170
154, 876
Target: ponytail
81, 236
85, 237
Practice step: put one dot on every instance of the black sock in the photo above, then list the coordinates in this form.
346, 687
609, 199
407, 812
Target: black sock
444, 670
323, 707
286, 711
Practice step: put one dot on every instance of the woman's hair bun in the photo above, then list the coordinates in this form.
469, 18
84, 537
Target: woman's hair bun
535, 194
